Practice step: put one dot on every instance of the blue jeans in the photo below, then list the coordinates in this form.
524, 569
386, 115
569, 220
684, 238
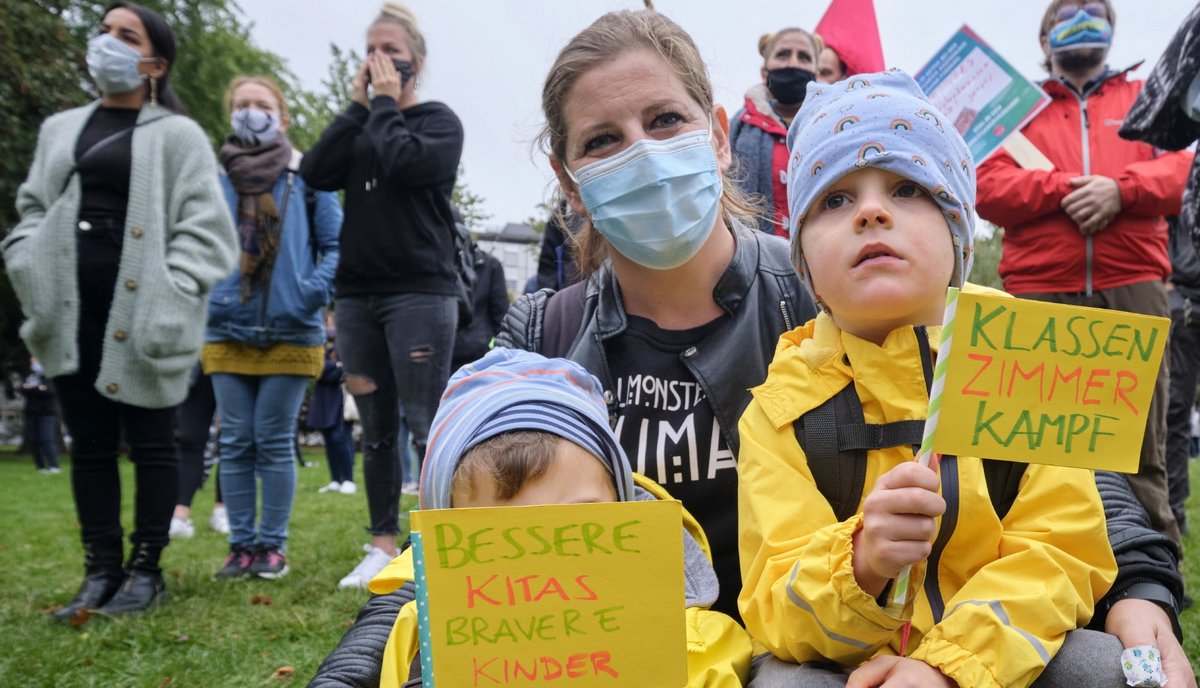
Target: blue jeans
258, 430
396, 352
39, 433
339, 451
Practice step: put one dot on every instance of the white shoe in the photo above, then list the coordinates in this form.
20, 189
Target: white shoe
409, 488
182, 527
53, 470
348, 487
219, 521
367, 569
331, 487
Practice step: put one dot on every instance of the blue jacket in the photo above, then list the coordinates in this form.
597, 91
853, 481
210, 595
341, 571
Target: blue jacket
290, 311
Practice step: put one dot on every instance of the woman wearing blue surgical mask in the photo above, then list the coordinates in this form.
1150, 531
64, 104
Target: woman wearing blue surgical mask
684, 299
758, 131
266, 334
123, 231
396, 157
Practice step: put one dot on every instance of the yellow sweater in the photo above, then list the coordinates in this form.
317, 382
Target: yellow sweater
280, 359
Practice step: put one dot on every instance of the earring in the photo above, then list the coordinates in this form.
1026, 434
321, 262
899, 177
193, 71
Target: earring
153, 91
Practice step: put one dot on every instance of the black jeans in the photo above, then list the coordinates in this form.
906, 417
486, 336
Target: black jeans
1185, 368
97, 424
395, 352
195, 421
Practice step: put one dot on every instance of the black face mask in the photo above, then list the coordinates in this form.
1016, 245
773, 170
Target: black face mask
788, 84
1081, 60
402, 66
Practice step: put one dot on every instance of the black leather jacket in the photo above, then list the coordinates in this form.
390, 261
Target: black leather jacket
759, 290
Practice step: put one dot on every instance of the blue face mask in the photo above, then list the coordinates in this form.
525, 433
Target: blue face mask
254, 127
655, 201
1081, 31
114, 65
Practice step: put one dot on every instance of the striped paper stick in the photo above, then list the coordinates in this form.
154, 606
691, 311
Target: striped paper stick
900, 590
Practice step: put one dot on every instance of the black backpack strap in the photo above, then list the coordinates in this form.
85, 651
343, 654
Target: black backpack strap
414, 671
310, 209
562, 319
835, 438
1003, 483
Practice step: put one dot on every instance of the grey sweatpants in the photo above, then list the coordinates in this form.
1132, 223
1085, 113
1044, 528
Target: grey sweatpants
1087, 658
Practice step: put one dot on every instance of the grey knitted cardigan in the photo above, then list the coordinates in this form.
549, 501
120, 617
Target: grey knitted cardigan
179, 240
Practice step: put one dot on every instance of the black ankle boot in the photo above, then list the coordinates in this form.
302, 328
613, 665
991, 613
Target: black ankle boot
143, 586
100, 583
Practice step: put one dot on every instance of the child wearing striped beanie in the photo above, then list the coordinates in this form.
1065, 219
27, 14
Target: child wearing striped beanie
518, 429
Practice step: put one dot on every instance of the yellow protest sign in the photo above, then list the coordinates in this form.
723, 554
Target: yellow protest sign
579, 595
1045, 383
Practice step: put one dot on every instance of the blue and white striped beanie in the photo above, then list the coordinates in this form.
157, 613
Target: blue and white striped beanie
509, 390
880, 120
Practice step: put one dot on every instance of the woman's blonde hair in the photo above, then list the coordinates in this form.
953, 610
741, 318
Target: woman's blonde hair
395, 13
264, 81
767, 41
609, 36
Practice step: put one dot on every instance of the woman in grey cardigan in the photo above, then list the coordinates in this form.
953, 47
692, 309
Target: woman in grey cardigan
123, 231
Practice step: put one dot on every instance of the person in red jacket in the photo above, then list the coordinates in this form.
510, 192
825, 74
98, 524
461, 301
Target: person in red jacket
1090, 231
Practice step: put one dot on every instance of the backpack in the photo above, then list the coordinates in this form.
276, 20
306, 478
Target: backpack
835, 438
465, 276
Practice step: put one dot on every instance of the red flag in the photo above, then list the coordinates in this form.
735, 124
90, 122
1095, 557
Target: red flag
850, 28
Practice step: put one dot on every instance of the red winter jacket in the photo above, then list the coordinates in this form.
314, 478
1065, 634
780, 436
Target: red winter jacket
1043, 248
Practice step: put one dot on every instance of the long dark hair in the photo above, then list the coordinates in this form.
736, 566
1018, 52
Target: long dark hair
162, 39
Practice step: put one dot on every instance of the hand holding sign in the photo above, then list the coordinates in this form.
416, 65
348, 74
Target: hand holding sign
899, 522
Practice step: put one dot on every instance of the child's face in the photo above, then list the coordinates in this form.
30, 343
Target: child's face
574, 477
879, 252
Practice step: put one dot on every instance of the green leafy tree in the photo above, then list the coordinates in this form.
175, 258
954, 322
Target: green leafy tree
43, 72
986, 268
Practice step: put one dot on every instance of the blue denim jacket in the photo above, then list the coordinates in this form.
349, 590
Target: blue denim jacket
290, 310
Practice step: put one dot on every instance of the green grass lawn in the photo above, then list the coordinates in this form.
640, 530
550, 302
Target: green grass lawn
242, 633
237, 633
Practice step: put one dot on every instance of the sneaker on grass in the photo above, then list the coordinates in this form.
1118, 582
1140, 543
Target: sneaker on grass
331, 487
181, 528
269, 562
348, 487
367, 569
237, 563
219, 521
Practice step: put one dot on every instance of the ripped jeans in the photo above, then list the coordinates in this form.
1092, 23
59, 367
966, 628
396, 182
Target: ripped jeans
395, 351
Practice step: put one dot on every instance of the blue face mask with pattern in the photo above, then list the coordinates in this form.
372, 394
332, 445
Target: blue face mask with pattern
1081, 31
656, 201
254, 127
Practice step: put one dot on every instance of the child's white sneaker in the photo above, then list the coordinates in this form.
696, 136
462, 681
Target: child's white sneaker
331, 487
348, 487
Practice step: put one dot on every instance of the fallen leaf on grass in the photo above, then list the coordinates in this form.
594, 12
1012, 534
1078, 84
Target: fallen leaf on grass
264, 600
283, 673
80, 618
167, 680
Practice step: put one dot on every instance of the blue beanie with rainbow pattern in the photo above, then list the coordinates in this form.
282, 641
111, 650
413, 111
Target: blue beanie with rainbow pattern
880, 120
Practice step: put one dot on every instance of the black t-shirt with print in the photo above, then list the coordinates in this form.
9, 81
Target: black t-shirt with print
669, 431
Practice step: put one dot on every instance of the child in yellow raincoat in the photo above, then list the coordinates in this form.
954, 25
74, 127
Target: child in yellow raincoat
880, 191
518, 429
